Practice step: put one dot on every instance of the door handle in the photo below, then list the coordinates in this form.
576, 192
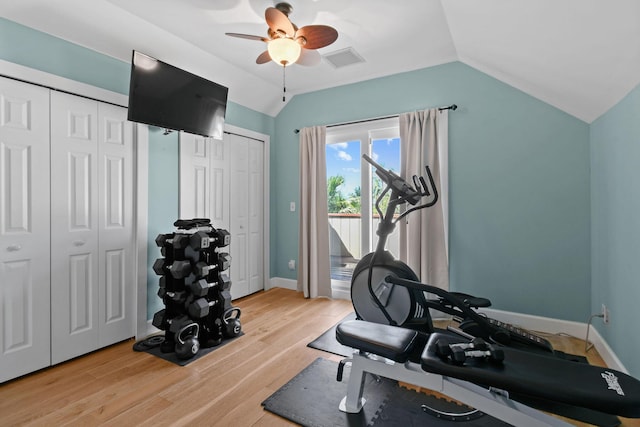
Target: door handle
14, 248
78, 242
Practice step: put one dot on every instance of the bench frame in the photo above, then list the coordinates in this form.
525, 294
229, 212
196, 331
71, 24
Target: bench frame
494, 402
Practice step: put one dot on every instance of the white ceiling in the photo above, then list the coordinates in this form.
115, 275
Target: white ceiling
581, 56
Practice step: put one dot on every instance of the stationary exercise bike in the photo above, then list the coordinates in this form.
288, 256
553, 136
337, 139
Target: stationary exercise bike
373, 298
386, 290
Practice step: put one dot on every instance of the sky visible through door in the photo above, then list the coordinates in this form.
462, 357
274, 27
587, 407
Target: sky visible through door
344, 160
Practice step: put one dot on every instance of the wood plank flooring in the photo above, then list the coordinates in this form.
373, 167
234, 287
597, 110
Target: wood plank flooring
116, 386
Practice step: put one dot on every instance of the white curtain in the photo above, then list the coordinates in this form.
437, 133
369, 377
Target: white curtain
314, 269
424, 233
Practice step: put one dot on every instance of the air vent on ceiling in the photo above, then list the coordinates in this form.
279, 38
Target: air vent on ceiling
343, 57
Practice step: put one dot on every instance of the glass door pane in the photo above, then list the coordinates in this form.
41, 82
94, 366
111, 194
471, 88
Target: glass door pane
386, 152
344, 207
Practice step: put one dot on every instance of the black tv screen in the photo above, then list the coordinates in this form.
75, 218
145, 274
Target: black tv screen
166, 96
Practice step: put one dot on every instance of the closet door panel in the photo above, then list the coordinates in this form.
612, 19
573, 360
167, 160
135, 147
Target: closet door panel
116, 282
195, 172
240, 237
24, 229
220, 181
255, 201
74, 226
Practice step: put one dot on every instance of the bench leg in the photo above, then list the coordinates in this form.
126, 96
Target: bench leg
353, 402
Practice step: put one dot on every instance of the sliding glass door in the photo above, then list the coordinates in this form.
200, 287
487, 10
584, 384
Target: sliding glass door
352, 188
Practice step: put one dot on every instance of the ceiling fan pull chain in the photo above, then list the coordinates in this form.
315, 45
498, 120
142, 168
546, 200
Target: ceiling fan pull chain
284, 85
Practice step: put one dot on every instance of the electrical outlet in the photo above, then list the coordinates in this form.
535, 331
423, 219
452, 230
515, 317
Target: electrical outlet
292, 264
605, 314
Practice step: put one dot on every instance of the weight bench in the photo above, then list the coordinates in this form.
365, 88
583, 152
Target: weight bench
412, 357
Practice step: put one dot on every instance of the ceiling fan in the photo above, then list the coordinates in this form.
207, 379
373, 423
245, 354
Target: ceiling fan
287, 44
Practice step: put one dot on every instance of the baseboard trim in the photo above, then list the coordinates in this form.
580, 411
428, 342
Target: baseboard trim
281, 282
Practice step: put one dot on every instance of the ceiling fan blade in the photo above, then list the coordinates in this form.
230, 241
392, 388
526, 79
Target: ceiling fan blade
248, 36
316, 36
263, 58
309, 57
279, 22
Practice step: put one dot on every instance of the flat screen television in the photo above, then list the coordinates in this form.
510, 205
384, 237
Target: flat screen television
168, 97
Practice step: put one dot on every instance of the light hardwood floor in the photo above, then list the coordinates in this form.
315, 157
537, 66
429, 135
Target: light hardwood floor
117, 386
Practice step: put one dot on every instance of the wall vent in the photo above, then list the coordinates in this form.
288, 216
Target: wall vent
343, 57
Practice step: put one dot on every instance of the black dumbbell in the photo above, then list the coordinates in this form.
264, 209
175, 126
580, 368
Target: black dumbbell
476, 349
201, 287
224, 261
203, 240
158, 266
178, 269
158, 320
178, 297
173, 325
178, 241
225, 300
201, 268
224, 238
224, 281
200, 308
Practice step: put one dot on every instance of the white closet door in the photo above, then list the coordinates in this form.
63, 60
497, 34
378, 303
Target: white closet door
239, 247
74, 226
24, 229
195, 176
228, 178
116, 279
220, 184
204, 179
255, 194
247, 215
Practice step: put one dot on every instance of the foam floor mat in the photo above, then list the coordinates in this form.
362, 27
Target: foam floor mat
312, 397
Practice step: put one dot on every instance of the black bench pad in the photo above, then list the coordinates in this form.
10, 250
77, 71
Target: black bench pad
387, 341
543, 377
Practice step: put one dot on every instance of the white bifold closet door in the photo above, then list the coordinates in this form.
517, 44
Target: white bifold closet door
204, 179
224, 181
92, 281
247, 218
24, 229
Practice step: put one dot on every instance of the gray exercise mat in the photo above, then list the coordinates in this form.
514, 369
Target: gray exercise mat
312, 397
327, 341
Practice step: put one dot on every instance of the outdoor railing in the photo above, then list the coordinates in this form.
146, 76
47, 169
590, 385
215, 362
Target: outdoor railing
348, 228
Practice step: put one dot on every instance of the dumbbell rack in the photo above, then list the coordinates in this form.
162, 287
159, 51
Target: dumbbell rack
194, 288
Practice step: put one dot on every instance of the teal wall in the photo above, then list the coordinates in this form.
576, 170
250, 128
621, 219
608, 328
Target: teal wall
519, 184
43, 52
615, 183
53, 55
163, 202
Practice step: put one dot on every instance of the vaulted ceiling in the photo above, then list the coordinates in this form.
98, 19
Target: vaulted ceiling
581, 56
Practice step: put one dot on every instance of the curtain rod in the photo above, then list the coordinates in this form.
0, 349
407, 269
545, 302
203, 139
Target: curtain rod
244, 136
452, 107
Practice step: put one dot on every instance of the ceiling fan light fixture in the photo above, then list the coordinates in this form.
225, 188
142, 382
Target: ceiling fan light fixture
284, 51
